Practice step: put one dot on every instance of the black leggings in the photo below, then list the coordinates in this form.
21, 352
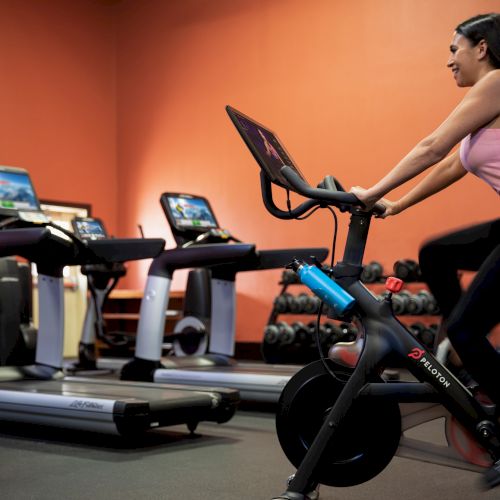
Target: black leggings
469, 315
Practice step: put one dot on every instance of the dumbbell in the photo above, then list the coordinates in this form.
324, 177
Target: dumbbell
400, 302
425, 334
372, 272
279, 333
329, 334
289, 277
336, 333
287, 334
289, 348
282, 303
302, 304
296, 304
295, 343
311, 305
431, 306
302, 333
407, 270
349, 332
278, 339
325, 332
417, 302
271, 334
422, 303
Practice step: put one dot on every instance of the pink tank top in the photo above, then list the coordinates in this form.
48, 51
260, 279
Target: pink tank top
481, 156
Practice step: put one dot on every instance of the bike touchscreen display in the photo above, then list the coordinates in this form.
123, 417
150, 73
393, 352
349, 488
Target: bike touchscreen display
265, 146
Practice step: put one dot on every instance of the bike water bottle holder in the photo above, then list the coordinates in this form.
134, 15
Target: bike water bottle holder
336, 298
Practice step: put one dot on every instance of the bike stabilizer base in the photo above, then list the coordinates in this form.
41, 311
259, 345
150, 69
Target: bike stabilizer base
491, 477
292, 495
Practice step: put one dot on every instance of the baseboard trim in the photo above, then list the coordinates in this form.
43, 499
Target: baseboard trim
248, 351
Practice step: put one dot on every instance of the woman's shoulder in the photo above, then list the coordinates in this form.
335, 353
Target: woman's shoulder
491, 80
488, 87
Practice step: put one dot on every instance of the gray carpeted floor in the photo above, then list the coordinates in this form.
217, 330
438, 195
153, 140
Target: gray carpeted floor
238, 460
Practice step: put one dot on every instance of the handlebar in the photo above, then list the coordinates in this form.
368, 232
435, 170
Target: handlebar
328, 192
267, 197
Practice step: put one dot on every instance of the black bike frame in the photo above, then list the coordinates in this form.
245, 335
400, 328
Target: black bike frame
385, 338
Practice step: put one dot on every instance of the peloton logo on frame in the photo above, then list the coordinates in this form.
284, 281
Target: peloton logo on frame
418, 354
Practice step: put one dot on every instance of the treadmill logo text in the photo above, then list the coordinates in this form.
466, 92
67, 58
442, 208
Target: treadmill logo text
85, 405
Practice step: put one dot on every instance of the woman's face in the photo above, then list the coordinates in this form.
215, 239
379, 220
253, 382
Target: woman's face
462, 61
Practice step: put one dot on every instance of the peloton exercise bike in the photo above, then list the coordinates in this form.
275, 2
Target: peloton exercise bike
39, 393
209, 345
338, 422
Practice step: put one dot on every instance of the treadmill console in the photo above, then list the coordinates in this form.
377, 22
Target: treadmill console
18, 198
192, 219
187, 212
89, 228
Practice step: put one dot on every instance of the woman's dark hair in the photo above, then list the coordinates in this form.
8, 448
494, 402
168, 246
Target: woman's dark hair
483, 27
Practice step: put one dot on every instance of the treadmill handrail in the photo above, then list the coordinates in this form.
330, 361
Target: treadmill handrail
52, 252
16, 241
199, 256
268, 259
125, 249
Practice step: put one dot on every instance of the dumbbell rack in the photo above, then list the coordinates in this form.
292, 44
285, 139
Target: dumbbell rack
414, 305
292, 341
423, 322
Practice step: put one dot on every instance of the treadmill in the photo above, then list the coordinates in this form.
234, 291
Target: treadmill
200, 242
40, 394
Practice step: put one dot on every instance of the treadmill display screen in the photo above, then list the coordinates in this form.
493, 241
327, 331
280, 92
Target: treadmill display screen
265, 146
191, 213
89, 229
16, 191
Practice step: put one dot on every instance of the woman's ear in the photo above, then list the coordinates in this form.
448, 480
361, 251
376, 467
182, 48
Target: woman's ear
482, 49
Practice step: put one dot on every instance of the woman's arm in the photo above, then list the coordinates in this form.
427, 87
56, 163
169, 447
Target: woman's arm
447, 172
480, 106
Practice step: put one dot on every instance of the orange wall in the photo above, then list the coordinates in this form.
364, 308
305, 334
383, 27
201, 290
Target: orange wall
350, 86
112, 103
57, 99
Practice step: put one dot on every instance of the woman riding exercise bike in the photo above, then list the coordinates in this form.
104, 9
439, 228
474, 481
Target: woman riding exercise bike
470, 316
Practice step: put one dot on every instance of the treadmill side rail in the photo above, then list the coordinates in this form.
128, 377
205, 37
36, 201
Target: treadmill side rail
71, 412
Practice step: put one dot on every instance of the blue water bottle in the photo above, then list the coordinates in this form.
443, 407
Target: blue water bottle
324, 287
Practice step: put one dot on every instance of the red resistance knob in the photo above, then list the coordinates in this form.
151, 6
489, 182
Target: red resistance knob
393, 284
